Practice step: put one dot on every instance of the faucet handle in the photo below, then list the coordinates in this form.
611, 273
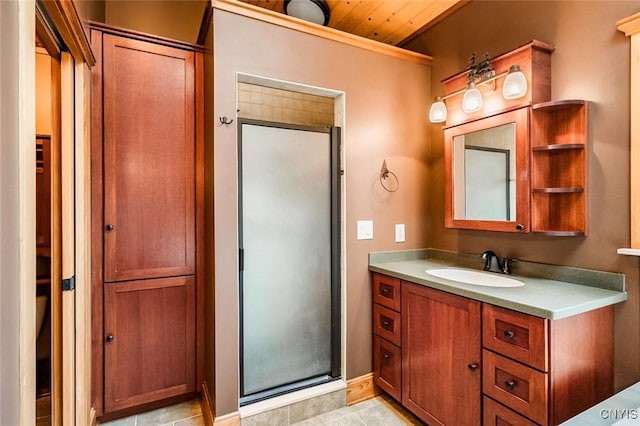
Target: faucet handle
506, 265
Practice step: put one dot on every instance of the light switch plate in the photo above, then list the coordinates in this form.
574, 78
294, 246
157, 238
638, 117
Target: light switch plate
399, 232
365, 230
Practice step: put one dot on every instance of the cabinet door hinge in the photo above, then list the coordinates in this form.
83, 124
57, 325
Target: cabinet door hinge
69, 284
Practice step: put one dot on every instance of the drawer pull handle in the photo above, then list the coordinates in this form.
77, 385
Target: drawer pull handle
510, 384
386, 323
473, 366
386, 356
385, 291
509, 334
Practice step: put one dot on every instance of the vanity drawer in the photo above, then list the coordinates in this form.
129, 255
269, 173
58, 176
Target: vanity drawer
517, 386
386, 291
387, 365
495, 414
386, 323
516, 335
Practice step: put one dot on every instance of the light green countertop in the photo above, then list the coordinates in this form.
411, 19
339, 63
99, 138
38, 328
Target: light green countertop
621, 409
550, 291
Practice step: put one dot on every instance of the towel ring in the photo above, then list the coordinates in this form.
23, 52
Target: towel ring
385, 173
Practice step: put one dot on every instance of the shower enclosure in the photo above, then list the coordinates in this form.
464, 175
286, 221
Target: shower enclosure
289, 257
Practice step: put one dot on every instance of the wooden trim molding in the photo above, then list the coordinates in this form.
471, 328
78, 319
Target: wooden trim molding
361, 388
631, 27
250, 11
207, 16
64, 17
139, 35
206, 404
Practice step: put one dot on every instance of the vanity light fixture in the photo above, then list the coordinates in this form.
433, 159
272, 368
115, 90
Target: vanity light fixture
472, 99
316, 11
515, 84
514, 87
438, 111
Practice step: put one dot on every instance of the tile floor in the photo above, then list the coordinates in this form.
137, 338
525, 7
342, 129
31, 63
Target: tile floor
379, 411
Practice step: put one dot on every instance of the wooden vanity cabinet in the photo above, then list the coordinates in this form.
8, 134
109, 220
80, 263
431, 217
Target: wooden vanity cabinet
465, 362
147, 220
440, 356
547, 370
559, 144
387, 337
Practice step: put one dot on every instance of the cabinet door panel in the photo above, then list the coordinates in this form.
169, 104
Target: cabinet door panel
387, 366
386, 291
149, 160
519, 336
495, 414
517, 386
150, 340
386, 323
440, 356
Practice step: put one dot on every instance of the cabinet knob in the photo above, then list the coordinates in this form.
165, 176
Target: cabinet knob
385, 291
386, 356
509, 334
109, 227
520, 227
385, 323
510, 384
473, 366
109, 338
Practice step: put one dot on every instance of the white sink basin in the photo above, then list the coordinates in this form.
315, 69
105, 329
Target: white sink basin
487, 279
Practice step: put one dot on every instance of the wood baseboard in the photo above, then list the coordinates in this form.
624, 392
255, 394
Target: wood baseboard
361, 388
206, 403
93, 419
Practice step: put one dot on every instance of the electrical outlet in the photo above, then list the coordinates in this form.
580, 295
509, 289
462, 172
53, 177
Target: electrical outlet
365, 230
400, 233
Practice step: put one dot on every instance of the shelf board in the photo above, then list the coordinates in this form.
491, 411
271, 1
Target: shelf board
629, 251
559, 233
556, 105
558, 146
559, 190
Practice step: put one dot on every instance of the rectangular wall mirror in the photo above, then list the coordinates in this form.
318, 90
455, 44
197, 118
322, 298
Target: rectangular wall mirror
487, 173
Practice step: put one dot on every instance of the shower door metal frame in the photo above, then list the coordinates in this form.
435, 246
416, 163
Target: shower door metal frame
336, 324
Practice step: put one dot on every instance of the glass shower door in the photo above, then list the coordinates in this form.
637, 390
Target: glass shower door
287, 264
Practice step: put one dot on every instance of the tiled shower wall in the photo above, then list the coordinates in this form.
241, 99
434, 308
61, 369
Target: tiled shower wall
283, 106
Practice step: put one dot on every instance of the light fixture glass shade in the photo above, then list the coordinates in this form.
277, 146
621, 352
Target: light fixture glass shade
515, 84
472, 100
438, 112
316, 11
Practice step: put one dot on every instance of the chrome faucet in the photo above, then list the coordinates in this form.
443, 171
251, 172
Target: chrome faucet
492, 263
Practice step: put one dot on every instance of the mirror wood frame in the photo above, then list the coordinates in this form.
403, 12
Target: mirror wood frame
521, 118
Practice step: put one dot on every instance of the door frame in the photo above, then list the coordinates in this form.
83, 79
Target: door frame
336, 255
56, 20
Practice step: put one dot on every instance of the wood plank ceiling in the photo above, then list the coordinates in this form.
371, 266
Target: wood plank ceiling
387, 21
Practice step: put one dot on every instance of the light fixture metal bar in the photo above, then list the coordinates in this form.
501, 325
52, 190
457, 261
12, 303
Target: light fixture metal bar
483, 82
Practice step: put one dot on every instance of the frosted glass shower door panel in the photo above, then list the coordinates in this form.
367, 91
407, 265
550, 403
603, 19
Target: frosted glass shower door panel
286, 237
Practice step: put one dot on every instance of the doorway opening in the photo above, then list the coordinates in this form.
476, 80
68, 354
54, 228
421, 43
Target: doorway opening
46, 68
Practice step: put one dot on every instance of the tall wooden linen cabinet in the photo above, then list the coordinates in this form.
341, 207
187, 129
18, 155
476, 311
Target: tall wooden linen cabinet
147, 221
